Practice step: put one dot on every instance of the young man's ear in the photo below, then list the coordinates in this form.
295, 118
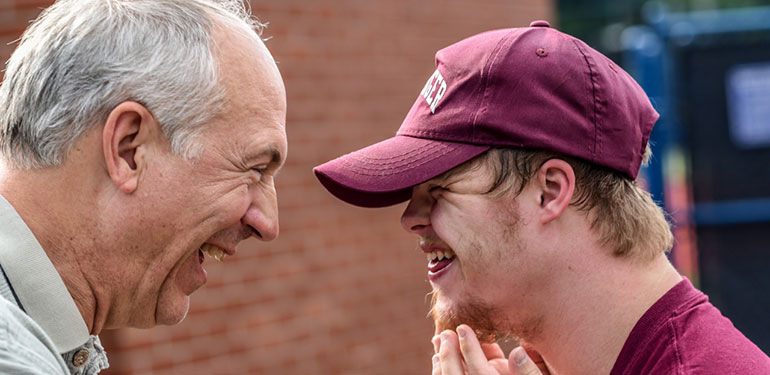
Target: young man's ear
556, 181
129, 128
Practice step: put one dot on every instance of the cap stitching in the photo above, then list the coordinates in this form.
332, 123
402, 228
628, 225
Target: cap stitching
435, 134
399, 158
595, 115
477, 141
365, 171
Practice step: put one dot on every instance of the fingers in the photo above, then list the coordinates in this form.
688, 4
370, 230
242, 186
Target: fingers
519, 363
436, 360
460, 352
492, 351
475, 359
495, 357
535, 357
436, 365
531, 352
451, 361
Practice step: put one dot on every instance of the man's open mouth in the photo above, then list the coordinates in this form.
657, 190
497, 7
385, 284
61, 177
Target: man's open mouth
438, 260
212, 251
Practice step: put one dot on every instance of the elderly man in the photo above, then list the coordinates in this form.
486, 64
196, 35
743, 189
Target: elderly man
519, 161
136, 137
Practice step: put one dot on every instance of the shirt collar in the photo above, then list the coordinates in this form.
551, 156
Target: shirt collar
37, 284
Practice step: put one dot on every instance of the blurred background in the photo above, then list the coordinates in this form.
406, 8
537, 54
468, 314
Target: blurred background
343, 290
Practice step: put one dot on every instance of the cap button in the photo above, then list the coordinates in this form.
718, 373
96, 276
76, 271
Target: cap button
540, 23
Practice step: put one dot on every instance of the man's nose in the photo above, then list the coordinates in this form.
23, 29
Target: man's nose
262, 214
416, 217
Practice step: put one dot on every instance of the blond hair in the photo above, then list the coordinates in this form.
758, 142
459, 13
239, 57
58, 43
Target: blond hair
624, 215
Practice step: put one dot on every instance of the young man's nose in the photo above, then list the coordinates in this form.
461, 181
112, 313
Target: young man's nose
416, 217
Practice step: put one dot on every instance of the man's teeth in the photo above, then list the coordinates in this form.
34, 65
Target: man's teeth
439, 255
213, 251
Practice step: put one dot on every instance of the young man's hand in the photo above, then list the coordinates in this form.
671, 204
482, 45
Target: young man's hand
461, 353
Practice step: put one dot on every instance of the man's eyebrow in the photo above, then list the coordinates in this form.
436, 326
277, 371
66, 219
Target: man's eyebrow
272, 152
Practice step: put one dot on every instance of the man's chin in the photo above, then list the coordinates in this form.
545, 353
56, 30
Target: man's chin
490, 324
172, 314
448, 315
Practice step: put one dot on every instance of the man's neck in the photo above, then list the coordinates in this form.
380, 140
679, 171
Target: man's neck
585, 332
46, 199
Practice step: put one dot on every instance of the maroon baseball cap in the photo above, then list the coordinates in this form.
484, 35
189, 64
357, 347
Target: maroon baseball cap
533, 87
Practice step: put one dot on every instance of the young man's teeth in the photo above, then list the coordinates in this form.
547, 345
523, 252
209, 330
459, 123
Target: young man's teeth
213, 251
439, 255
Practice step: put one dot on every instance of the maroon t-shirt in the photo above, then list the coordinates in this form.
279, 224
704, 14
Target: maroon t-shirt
682, 333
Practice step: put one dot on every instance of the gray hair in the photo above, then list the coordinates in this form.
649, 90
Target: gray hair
81, 58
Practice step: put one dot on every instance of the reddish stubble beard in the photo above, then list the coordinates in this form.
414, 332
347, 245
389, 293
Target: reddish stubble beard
488, 322
476, 314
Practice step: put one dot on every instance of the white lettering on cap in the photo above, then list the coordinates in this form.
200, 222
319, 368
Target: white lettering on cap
434, 90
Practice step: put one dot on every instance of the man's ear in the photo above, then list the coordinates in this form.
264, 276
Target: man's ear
556, 183
129, 128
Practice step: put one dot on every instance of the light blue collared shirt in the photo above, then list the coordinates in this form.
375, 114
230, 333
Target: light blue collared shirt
41, 329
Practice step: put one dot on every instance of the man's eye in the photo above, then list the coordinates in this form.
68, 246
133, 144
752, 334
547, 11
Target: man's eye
259, 171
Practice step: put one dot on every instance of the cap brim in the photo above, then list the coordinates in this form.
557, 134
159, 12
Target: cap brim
384, 173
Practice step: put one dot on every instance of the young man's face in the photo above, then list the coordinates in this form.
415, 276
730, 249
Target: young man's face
489, 268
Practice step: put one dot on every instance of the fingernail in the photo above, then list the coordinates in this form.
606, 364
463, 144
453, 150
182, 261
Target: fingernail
519, 356
461, 331
436, 360
444, 337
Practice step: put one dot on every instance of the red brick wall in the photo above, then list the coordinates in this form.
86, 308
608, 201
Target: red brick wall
342, 291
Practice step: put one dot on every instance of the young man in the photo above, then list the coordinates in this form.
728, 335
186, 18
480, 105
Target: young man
519, 161
135, 137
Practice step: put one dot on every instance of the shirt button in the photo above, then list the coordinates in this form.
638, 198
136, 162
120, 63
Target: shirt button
80, 357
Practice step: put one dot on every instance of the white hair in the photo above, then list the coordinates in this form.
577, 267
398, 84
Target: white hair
81, 58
